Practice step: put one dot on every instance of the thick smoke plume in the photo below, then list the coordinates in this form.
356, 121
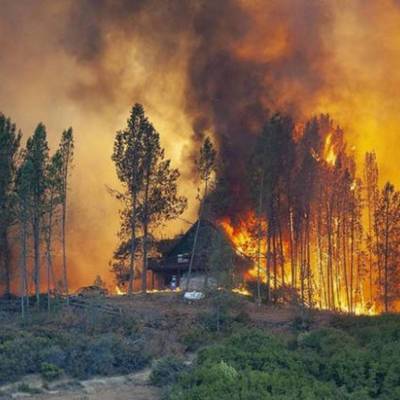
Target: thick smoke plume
199, 67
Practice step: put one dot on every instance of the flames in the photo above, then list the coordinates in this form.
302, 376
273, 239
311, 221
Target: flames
329, 151
243, 235
313, 57
122, 292
247, 238
118, 291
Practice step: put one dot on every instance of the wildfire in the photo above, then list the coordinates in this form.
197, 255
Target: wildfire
248, 238
329, 151
242, 234
241, 290
118, 291
244, 237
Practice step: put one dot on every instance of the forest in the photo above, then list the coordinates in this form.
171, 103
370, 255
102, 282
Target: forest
318, 240
316, 229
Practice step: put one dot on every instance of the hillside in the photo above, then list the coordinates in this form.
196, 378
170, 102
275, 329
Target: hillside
190, 350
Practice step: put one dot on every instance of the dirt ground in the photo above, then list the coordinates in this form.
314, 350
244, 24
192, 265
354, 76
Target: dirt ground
129, 387
171, 306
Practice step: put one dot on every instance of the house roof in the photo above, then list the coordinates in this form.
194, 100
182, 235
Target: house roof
185, 244
182, 249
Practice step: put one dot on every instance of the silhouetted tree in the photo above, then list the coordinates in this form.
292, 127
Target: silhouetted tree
160, 199
9, 147
37, 153
388, 223
66, 152
128, 160
54, 197
206, 166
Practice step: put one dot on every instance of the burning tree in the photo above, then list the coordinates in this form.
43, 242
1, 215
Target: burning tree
305, 219
388, 244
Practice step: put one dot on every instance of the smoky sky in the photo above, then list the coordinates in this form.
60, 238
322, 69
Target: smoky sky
215, 67
227, 92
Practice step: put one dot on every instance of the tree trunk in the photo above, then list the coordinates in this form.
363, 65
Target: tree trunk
49, 257
196, 237
345, 271
259, 233
36, 251
23, 268
63, 226
386, 257
132, 247
6, 260
145, 231
268, 264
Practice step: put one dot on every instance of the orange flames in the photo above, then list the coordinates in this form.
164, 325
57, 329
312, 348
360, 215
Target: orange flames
244, 237
329, 151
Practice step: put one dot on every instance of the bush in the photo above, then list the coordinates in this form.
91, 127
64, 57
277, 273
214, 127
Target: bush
79, 355
322, 364
166, 371
106, 355
197, 337
50, 372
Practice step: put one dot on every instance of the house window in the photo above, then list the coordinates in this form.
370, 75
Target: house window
183, 258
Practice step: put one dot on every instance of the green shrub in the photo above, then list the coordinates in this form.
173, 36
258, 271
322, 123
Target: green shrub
25, 388
50, 372
197, 337
79, 355
322, 364
166, 371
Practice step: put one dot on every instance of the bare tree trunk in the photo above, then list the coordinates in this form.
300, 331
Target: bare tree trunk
370, 239
308, 262
64, 248
386, 257
36, 250
291, 247
322, 285
281, 255
274, 266
6, 260
64, 224
352, 262
23, 268
345, 272
259, 233
196, 237
145, 232
268, 264
145, 251
331, 302
49, 256
302, 266
132, 246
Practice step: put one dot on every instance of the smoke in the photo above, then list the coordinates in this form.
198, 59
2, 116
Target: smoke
199, 67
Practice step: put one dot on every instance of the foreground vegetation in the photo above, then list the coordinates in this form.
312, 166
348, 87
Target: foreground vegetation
80, 345
355, 358
306, 356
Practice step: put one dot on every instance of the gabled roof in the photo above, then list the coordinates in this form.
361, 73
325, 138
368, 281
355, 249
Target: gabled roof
183, 247
185, 244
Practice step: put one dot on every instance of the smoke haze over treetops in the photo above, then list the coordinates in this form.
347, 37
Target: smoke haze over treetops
216, 67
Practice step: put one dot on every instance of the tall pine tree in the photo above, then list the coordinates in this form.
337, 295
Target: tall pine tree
9, 146
37, 154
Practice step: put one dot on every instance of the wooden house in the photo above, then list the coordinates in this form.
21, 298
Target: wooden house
173, 264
